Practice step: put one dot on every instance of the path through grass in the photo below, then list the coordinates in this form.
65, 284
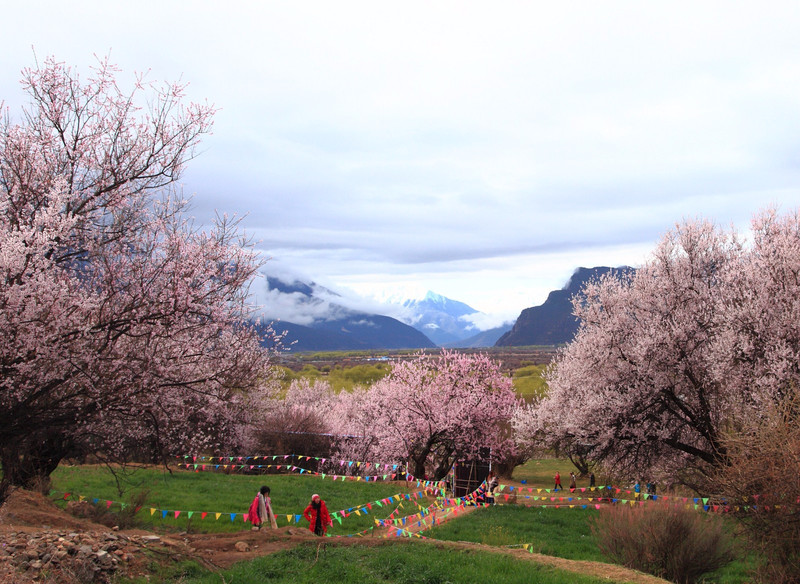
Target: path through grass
408, 563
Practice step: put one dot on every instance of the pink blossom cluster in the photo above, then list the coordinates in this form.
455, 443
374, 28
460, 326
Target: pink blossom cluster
427, 413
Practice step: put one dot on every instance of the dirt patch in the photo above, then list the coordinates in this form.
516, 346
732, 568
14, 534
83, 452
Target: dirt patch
25, 509
222, 550
36, 517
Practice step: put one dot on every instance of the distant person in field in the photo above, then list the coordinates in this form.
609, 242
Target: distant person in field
591, 479
317, 515
491, 485
558, 482
572, 484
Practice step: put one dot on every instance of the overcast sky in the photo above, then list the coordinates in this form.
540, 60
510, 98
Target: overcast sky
479, 150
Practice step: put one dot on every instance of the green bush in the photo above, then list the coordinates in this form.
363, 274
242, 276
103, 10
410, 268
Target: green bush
668, 541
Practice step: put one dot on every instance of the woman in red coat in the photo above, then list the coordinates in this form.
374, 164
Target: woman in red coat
317, 515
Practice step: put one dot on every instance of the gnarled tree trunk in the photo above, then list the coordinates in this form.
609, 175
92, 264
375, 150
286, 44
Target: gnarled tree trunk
29, 461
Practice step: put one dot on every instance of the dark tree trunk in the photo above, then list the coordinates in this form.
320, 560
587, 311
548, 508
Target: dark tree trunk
418, 465
504, 468
5, 491
420, 457
581, 463
443, 464
28, 462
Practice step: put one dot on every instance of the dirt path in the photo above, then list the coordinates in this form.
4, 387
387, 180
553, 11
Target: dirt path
35, 515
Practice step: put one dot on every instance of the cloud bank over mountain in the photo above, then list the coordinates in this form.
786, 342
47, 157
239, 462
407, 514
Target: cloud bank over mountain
288, 296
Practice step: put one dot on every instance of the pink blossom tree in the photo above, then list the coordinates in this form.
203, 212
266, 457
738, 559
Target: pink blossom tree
296, 421
669, 358
432, 411
125, 329
761, 352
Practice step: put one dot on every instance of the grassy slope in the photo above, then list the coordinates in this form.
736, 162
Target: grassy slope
563, 533
215, 492
410, 563
559, 532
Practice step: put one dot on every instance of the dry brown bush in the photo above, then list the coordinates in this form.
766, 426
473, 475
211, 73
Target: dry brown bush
668, 541
761, 485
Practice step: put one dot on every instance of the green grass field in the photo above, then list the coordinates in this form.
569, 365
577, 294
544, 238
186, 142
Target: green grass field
410, 562
563, 533
194, 493
559, 532
528, 381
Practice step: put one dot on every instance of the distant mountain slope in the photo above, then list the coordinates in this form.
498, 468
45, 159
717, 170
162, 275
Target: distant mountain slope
552, 323
482, 339
337, 328
439, 318
359, 332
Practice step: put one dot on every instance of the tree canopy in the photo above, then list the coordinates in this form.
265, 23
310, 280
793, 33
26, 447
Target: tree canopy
694, 343
125, 329
432, 411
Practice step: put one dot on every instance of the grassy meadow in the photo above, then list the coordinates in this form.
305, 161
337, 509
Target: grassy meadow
560, 532
406, 562
343, 374
225, 497
528, 381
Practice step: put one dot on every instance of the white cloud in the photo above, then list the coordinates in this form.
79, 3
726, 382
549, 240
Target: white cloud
482, 152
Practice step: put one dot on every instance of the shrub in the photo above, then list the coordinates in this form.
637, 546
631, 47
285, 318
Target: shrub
760, 484
670, 542
124, 517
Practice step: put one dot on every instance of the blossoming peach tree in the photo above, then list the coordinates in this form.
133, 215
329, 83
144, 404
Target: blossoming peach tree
125, 329
694, 344
430, 411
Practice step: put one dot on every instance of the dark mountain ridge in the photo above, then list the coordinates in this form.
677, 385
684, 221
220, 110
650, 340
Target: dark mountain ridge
553, 323
486, 338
